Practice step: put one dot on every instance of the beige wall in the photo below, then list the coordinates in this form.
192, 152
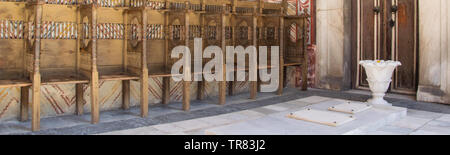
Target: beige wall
434, 48
333, 44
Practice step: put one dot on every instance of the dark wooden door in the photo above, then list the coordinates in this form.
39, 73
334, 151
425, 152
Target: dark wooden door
387, 30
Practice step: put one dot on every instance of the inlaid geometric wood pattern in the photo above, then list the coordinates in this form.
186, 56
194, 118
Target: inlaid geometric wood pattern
58, 30
104, 3
155, 86
10, 29
242, 86
211, 89
155, 5
9, 103
57, 99
62, 2
110, 96
176, 90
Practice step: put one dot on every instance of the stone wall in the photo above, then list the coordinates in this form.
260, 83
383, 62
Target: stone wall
333, 32
434, 48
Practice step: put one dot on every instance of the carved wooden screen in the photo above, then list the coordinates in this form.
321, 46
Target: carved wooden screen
87, 35
196, 30
135, 41
177, 32
212, 32
295, 40
269, 34
244, 32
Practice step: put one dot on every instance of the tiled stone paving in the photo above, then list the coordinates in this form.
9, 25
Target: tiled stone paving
422, 118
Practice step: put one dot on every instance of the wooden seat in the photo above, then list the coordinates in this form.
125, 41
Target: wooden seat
119, 77
64, 79
287, 64
159, 71
15, 83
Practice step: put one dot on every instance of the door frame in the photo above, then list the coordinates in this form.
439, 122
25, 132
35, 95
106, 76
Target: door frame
356, 44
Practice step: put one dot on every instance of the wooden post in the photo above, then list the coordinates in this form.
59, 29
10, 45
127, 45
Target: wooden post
281, 67
95, 111
125, 83
79, 30
144, 72
201, 84
144, 93
305, 54
36, 75
36, 92
79, 92
260, 11
231, 85
166, 90
126, 94
125, 41
186, 95
187, 70
233, 5
79, 99
254, 84
201, 90
24, 103
223, 83
166, 80
25, 44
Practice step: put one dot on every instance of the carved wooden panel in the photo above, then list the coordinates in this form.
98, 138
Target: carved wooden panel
295, 43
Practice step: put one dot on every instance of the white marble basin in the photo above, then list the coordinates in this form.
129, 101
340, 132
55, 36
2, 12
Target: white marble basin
379, 75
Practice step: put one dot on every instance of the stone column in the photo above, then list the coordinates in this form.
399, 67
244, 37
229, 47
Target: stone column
434, 41
333, 44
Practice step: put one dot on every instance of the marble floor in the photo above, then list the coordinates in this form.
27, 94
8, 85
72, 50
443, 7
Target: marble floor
421, 118
416, 122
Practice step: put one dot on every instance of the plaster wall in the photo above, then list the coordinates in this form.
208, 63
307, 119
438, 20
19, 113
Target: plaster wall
333, 44
434, 41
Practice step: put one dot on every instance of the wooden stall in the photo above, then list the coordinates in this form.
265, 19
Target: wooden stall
55, 49
268, 32
179, 24
244, 21
85, 42
136, 54
294, 40
157, 41
115, 48
14, 56
215, 20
